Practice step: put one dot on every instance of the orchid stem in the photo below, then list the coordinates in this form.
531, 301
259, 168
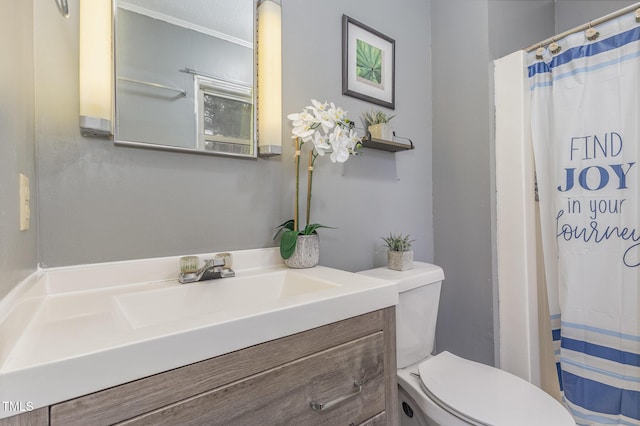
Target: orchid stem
309, 184
297, 161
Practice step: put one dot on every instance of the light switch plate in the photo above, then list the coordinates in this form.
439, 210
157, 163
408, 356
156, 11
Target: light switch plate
25, 196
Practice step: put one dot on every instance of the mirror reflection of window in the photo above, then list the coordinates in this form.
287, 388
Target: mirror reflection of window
225, 116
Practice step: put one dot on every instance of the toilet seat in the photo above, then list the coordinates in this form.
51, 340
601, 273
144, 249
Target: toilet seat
484, 395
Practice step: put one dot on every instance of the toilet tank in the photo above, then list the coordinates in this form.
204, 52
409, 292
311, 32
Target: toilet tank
417, 310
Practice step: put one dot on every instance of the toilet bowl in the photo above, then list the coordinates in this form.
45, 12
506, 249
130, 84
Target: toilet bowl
448, 390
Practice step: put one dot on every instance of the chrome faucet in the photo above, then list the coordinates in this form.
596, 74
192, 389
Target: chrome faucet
218, 267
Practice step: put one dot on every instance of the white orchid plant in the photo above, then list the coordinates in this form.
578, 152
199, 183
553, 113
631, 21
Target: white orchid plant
330, 132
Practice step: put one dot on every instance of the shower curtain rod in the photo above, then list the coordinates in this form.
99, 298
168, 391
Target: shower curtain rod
586, 26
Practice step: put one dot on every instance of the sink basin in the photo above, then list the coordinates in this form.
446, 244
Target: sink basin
151, 307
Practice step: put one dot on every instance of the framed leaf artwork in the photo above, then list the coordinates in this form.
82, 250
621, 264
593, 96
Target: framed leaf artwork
368, 63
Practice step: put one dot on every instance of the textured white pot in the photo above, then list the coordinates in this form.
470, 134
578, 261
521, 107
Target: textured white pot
400, 260
307, 253
382, 131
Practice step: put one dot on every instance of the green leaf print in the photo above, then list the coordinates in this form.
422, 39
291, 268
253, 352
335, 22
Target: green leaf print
368, 62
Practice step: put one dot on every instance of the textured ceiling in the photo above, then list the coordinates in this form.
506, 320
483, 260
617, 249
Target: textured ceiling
232, 17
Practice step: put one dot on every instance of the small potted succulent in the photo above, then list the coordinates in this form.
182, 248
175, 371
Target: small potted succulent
377, 123
400, 255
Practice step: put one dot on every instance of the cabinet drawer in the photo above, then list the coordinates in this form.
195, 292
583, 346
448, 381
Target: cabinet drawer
379, 420
283, 395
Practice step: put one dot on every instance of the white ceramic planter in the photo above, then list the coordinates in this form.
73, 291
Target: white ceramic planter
307, 252
382, 131
400, 260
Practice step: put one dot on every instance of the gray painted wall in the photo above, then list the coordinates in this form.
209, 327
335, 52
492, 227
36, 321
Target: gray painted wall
510, 25
377, 192
461, 174
572, 13
18, 250
467, 37
103, 203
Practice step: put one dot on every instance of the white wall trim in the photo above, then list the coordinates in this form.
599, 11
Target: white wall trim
515, 211
184, 24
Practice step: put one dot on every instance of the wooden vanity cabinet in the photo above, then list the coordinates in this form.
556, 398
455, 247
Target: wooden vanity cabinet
39, 417
351, 362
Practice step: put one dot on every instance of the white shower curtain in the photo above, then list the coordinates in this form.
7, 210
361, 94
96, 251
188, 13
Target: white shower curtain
585, 110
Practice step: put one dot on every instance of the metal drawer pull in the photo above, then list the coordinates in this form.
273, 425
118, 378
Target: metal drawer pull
323, 406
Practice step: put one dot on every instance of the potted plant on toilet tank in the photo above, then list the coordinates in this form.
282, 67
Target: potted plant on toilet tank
329, 132
399, 254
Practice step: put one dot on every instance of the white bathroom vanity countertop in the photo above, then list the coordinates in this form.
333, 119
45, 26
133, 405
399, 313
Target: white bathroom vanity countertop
70, 331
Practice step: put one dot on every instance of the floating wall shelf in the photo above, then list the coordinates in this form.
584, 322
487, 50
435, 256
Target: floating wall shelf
398, 144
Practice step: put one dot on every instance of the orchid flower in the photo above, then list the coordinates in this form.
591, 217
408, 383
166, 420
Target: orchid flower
331, 132
320, 143
326, 126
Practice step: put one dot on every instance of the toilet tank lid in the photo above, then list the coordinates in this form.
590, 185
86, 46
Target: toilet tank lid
421, 274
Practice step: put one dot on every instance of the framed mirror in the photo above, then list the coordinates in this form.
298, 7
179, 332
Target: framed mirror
185, 75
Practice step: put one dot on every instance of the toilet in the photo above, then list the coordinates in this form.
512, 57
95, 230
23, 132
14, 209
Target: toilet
448, 390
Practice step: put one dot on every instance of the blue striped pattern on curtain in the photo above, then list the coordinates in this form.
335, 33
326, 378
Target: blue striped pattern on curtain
574, 92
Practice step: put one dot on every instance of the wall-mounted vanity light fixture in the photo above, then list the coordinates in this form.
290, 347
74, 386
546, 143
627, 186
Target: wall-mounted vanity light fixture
269, 78
96, 81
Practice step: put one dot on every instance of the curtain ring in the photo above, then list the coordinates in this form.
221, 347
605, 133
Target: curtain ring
591, 33
554, 47
540, 52
638, 15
